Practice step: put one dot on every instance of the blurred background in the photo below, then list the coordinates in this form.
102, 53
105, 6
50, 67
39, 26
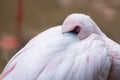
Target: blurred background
21, 20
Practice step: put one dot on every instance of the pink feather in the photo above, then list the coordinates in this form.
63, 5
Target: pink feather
75, 50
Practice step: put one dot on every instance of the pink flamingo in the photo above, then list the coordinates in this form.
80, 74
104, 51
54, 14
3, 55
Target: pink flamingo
76, 50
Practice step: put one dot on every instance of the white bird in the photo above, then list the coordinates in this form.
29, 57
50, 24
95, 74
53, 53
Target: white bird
75, 50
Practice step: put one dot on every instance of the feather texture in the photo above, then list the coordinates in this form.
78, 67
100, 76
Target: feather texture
60, 54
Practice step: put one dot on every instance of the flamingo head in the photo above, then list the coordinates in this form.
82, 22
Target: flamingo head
80, 23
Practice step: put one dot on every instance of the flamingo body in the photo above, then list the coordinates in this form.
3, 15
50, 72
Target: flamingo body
76, 50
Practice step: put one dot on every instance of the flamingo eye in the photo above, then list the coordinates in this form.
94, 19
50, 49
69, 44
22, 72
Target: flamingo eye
76, 30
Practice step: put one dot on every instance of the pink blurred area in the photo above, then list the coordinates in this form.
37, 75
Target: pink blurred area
8, 42
39, 15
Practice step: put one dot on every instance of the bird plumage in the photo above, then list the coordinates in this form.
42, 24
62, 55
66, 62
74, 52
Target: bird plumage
61, 54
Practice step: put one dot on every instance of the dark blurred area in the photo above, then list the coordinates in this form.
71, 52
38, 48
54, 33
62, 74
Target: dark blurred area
39, 15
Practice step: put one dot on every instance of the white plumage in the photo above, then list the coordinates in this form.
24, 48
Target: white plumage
76, 50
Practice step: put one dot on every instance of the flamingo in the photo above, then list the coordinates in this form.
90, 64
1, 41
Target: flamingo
75, 50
